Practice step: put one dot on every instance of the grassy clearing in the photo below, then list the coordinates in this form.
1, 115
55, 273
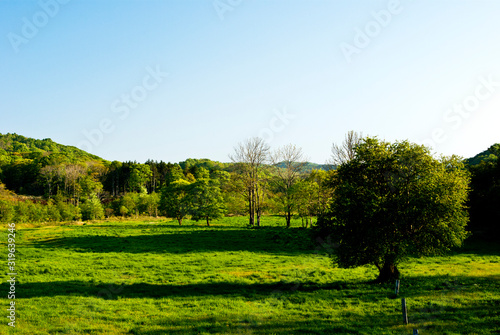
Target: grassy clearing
156, 277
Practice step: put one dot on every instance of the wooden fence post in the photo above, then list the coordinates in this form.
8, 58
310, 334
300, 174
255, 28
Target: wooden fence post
405, 315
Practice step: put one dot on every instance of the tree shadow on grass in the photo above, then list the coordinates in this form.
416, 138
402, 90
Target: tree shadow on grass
216, 289
269, 240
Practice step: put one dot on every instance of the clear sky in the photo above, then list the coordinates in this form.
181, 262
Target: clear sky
170, 80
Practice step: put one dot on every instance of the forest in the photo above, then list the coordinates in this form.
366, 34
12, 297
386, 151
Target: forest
43, 181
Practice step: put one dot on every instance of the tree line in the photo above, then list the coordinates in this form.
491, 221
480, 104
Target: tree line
52, 182
378, 203
63, 185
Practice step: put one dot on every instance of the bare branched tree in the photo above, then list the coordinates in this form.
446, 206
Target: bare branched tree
289, 163
251, 155
344, 152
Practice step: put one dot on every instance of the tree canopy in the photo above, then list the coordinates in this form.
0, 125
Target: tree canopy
392, 201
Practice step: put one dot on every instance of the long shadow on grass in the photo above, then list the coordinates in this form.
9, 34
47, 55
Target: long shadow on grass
257, 291
269, 240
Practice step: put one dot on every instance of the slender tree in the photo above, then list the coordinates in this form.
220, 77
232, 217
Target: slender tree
289, 164
251, 156
343, 153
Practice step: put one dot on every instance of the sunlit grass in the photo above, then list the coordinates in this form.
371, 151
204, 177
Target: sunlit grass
156, 277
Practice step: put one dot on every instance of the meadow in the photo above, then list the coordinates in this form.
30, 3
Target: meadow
156, 277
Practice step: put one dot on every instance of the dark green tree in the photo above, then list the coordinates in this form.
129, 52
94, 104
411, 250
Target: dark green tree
140, 175
392, 201
176, 197
207, 200
485, 193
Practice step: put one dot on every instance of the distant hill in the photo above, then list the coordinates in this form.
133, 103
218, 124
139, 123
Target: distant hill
20, 147
314, 166
311, 166
491, 154
22, 159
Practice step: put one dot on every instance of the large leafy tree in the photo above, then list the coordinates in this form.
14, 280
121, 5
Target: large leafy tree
392, 201
176, 198
208, 202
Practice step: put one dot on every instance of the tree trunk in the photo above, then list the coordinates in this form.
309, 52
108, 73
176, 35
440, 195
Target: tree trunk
388, 272
288, 216
180, 221
250, 207
257, 204
208, 221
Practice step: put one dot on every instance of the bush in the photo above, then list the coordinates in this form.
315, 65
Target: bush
7, 211
68, 212
92, 209
53, 213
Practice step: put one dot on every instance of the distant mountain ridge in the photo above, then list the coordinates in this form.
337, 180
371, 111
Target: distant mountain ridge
308, 167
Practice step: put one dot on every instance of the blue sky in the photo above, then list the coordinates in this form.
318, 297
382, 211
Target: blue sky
171, 80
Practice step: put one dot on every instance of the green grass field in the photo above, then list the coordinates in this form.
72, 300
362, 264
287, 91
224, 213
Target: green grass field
155, 277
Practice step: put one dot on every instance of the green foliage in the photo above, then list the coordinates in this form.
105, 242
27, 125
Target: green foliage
92, 209
307, 195
53, 212
207, 200
28, 148
490, 155
89, 187
176, 197
392, 201
128, 204
7, 211
139, 176
27, 211
148, 203
67, 211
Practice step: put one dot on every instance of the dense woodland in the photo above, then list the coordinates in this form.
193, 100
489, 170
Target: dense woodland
42, 181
